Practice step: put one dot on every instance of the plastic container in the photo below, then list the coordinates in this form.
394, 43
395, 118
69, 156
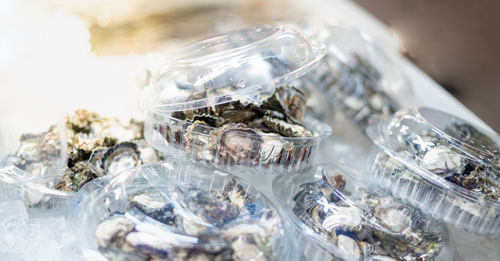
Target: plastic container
33, 154
252, 77
31, 147
358, 76
179, 210
340, 216
441, 164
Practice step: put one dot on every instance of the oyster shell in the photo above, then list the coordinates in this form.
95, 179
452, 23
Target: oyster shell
38, 154
96, 146
237, 143
286, 129
288, 100
365, 224
200, 226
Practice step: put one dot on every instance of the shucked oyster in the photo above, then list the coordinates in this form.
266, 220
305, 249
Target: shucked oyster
366, 224
188, 224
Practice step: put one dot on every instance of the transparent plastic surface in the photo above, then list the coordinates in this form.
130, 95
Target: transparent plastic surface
31, 146
33, 154
359, 77
233, 147
442, 164
236, 99
342, 216
246, 64
176, 210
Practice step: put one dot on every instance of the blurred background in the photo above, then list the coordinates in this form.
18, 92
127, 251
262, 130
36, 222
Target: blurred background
456, 42
63, 48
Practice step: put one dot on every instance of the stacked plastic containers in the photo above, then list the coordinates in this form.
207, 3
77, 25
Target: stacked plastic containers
341, 216
446, 166
238, 101
180, 211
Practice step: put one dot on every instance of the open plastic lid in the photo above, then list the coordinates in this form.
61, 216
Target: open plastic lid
241, 65
439, 146
335, 207
179, 210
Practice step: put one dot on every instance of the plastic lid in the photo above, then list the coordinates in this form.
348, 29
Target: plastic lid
179, 210
347, 44
240, 65
353, 220
443, 149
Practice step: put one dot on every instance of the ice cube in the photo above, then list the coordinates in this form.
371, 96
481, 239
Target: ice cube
13, 220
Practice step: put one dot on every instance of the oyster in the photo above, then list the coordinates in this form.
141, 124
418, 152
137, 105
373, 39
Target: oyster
96, 146
196, 141
237, 143
288, 100
115, 159
357, 89
365, 224
445, 158
38, 154
158, 225
237, 128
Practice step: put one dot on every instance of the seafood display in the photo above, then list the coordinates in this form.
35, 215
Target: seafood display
351, 220
98, 146
440, 163
166, 212
95, 146
248, 110
255, 101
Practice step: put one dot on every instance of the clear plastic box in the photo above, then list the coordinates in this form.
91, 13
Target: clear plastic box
341, 216
236, 100
441, 164
358, 76
31, 147
33, 155
180, 210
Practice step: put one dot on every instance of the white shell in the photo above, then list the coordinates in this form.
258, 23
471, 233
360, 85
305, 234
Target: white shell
441, 159
343, 216
246, 251
148, 202
107, 229
348, 246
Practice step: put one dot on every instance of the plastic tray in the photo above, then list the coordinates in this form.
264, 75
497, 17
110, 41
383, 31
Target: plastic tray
179, 210
442, 164
341, 216
236, 100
